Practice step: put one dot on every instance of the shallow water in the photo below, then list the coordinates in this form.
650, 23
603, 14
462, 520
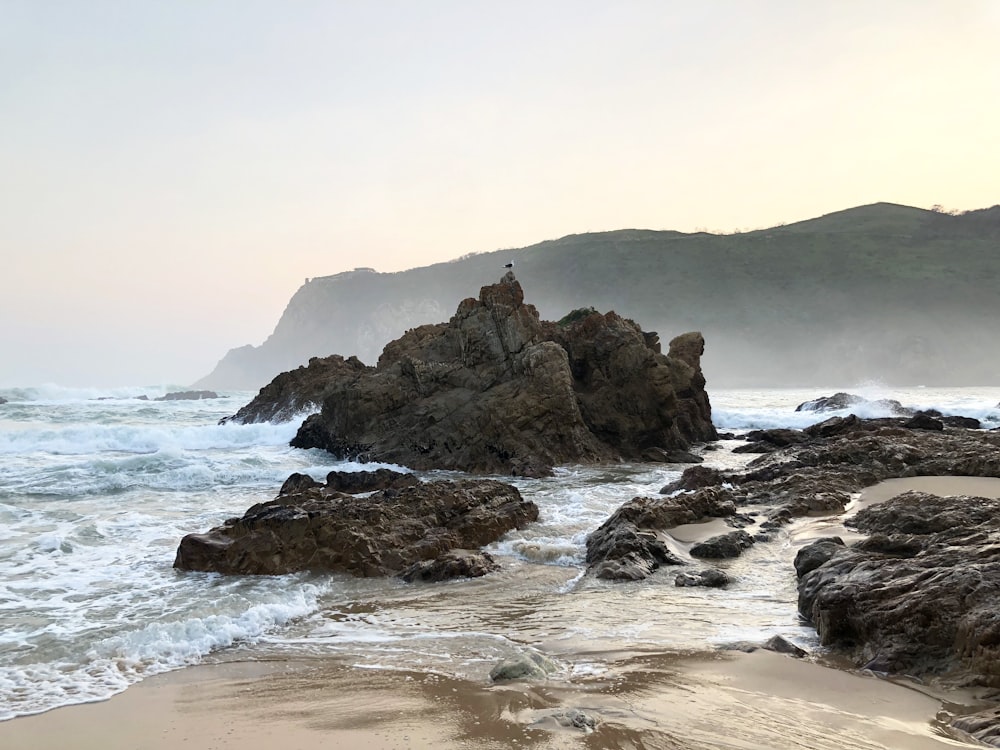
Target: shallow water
95, 495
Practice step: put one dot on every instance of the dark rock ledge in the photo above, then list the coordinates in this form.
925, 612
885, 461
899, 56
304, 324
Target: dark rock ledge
420, 531
800, 472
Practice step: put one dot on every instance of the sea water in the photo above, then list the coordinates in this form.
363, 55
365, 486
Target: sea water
98, 486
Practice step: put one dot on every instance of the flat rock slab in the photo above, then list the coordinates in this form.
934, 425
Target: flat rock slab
382, 534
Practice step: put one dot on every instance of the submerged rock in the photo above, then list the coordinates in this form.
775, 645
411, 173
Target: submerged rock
453, 564
498, 390
187, 396
530, 666
385, 533
710, 578
841, 400
731, 544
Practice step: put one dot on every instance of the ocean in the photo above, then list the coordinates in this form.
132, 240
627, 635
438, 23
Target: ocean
97, 487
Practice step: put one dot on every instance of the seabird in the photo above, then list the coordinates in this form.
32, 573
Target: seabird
508, 265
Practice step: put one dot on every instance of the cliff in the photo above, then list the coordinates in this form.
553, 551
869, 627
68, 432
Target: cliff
880, 291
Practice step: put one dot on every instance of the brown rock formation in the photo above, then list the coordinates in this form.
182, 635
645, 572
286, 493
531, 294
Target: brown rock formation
497, 390
310, 527
919, 596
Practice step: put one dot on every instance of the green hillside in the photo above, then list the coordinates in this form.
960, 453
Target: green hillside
884, 291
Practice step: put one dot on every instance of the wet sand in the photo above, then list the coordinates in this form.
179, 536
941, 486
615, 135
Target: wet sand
706, 701
729, 700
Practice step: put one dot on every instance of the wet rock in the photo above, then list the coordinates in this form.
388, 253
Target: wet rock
297, 483
531, 666
660, 456
450, 565
574, 718
983, 726
710, 578
188, 396
833, 426
633, 542
298, 391
812, 555
353, 482
3, 400
694, 478
724, 545
922, 599
840, 401
778, 438
781, 645
497, 390
381, 534
923, 421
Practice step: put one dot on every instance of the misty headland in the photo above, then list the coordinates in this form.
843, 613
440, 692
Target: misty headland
883, 292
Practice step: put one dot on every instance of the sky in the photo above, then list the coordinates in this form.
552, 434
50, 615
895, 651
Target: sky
172, 170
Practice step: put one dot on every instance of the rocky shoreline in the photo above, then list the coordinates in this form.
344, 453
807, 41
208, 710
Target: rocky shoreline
498, 391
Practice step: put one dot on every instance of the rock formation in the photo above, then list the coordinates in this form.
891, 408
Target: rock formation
497, 390
297, 391
919, 595
633, 542
422, 531
801, 472
187, 396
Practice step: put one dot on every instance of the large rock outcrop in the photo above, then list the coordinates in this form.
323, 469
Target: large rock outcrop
394, 531
919, 595
497, 390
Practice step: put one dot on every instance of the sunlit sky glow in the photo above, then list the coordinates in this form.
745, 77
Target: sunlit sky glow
170, 172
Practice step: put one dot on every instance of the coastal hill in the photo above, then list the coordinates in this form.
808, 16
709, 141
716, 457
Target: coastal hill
899, 294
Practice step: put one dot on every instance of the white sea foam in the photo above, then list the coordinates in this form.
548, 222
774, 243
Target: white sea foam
769, 409
112, 663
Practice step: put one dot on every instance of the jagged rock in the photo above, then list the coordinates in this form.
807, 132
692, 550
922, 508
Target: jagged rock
834, 426
531, 666
694, 478
660, 456
710, 578
574, 718
922, 599
633, 542
983, 726
454, 564
723, 545
296, 391
922, 421
297, 483
187, 396
781, 645
378, 535
497, 390
778, 437
812, 555
839, 401
353, 482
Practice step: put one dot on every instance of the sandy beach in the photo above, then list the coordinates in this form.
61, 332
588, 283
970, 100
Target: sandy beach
647, 700
730, 700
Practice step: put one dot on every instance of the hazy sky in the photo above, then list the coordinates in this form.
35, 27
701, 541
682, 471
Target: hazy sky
171, 171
